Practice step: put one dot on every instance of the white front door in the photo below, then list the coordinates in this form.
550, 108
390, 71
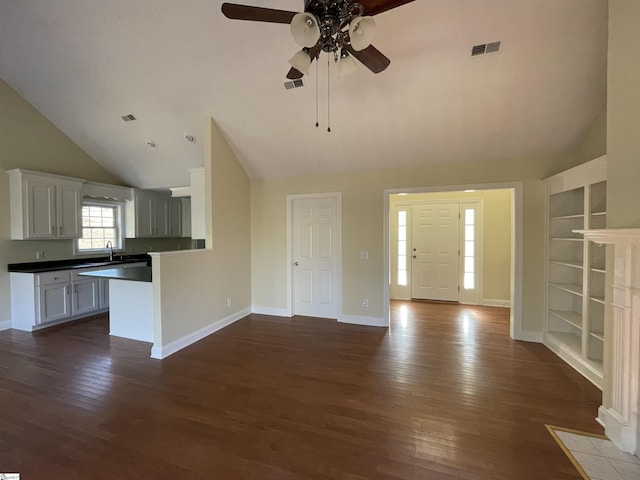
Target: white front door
314, 256
434, 240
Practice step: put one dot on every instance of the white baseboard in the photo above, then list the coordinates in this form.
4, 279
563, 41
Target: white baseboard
276, 312
536, 337
496, 302
163, 351
361, 320
6, 325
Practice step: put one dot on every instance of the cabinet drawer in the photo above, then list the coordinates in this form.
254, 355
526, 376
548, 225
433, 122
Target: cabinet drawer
48, 278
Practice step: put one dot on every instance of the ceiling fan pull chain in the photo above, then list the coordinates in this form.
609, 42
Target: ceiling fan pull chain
317, 124
328, 95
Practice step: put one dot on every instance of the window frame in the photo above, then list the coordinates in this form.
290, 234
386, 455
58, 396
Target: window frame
119, 225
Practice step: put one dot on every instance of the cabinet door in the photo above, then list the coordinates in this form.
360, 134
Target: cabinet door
54, 302
85, 297
144, 217
104, 292
41, 209
161, 205
175, 217
69, 210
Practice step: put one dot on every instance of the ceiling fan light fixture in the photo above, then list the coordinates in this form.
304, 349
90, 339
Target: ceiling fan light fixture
347, 65
361, 31
305, 29
301, 61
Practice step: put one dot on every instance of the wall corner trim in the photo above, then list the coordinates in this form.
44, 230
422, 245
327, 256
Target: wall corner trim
528, 336
163, 351
6, 325
496, 302
275, 312
361, 320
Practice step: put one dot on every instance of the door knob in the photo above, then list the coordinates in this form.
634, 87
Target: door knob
296, 264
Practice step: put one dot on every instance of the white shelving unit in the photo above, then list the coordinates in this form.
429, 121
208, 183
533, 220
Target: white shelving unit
575, 269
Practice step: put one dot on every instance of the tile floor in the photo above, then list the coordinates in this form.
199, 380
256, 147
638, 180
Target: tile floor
598, 457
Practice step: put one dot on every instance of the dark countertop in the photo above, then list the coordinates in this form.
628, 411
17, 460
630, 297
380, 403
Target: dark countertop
134, 274
39, 267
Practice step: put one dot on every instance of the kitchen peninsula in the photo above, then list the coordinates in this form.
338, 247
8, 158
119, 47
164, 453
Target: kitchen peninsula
130, 301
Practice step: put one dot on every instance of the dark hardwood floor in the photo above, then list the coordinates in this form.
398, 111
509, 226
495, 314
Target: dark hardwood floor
444, 394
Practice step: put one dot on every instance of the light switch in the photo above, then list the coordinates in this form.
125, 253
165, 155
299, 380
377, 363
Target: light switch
364, 255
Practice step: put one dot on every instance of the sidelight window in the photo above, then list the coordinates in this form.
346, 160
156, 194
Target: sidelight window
469, 275
402, 248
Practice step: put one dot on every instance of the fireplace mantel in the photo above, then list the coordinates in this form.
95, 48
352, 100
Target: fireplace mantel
619, 413
612, 236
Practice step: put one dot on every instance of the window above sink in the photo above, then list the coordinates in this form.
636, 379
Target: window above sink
102, 227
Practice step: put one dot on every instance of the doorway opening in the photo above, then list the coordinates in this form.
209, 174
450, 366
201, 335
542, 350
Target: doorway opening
437, 247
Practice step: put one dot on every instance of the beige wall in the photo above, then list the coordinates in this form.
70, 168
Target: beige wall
28, 140
623, 148
623, 115
496, 278
191, 288
362, 226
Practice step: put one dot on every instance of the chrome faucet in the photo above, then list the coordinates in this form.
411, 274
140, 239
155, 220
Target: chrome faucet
109, 245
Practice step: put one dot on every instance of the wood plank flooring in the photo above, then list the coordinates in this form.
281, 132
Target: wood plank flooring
443, 394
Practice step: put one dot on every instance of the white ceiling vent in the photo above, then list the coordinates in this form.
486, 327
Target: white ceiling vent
128, 118
294, 84
485, 48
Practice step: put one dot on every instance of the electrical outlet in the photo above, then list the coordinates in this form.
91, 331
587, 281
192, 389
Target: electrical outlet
365, 302
364, 255
228, 302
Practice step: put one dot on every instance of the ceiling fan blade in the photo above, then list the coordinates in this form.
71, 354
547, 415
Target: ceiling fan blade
294, 73
370, 57
374, 7
256, 14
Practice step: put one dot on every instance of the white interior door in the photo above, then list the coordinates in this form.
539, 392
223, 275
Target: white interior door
314, 257
435, 251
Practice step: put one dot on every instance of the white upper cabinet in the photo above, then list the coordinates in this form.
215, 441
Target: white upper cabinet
153, 215
44, 206
175, 217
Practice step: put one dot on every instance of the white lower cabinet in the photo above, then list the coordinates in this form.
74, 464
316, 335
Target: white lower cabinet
104, 293
54, 303
43, 299
85, 296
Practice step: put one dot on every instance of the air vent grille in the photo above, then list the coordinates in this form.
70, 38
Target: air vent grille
485, 48
294, 84
478, 49
128, 118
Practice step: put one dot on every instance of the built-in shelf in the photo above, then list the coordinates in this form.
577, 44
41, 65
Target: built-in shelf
565, 217
568, 287
568, 316
566, 264
567, 340
566, 239
575, 268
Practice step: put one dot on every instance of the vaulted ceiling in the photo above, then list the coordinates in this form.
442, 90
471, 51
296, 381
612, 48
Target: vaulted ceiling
86, 63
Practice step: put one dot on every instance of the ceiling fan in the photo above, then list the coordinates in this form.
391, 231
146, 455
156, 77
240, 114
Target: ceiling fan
337, 27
